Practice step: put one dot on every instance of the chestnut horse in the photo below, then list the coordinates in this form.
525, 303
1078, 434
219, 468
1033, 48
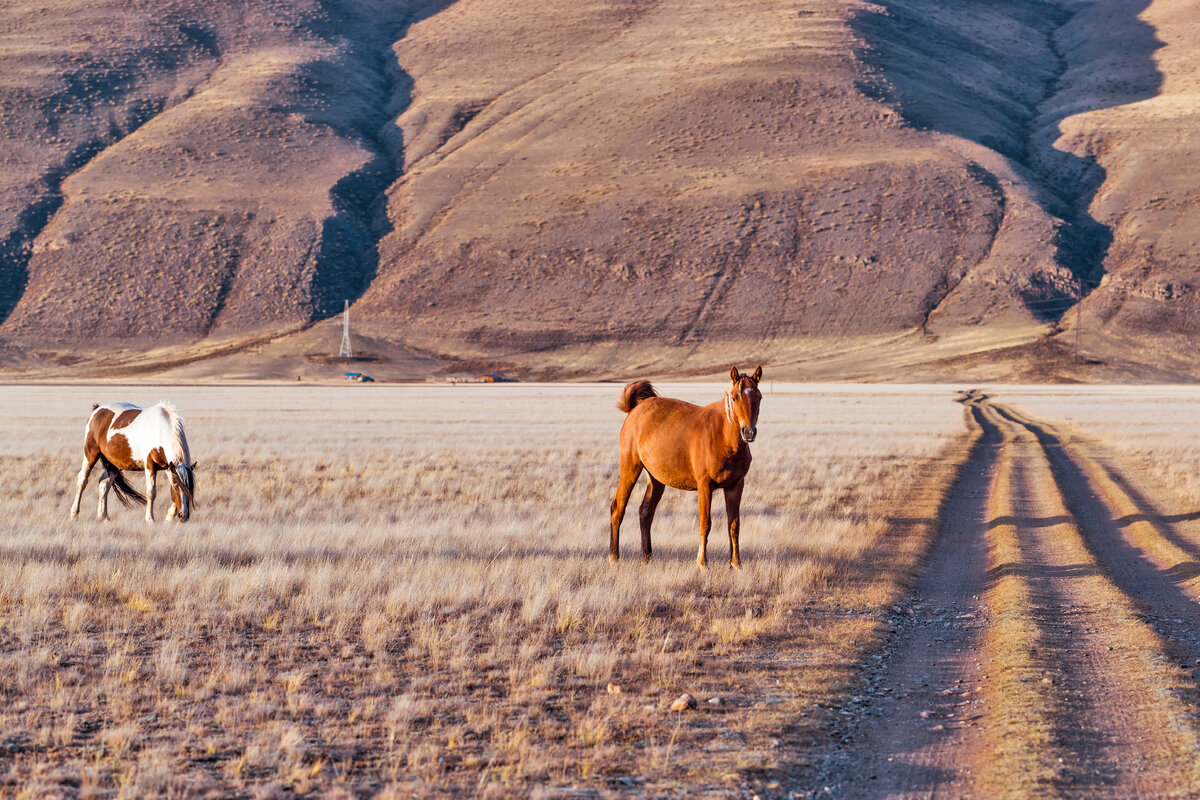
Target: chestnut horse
122, 436
687, 447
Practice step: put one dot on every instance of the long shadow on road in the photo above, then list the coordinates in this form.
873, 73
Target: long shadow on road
903, 739
1157, 593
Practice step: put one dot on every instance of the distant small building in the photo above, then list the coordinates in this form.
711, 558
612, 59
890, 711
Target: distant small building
454, 379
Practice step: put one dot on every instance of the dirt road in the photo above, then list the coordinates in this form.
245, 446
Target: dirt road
1049, 647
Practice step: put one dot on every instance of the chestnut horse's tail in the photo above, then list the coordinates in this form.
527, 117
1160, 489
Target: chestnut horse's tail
635, 393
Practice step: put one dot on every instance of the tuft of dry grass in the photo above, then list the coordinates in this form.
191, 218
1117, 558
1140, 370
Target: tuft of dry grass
407, 587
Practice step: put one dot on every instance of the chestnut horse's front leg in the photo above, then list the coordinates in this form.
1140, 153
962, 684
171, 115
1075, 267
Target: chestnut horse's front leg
733, 512
629, 475
704, 490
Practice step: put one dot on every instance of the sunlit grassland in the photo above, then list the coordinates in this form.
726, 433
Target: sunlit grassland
1151, 431
395, 590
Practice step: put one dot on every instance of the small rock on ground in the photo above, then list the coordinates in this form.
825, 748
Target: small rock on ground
683, 702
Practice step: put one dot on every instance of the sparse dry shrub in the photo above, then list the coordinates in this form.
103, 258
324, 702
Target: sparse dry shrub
424, 760
569, 618
169, 664
153, 775
268, 791
595, 661
376, 630
64, 732
403, 711
118, 739
292, 745
229, 678
76, 617
292, 681
591, 730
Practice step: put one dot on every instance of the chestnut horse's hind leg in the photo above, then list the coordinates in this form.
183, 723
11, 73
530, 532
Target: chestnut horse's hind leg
80, 482
629, 475
654, 493
704, 490
733, 512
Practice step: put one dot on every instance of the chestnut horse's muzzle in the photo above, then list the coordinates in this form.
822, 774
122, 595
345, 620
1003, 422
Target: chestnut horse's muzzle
748, 433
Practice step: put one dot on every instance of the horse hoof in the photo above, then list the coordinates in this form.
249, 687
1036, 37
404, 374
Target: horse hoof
612, 559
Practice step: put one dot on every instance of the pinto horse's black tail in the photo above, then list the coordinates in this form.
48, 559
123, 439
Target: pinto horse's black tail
125, 493
635, 393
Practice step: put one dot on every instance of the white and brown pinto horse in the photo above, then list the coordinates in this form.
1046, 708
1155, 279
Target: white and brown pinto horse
694, 448
124, 437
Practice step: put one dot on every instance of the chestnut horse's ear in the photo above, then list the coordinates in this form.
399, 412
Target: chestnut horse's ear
757, 376
733, 374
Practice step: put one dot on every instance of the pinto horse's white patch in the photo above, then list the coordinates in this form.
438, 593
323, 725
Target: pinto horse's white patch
134, 434
152, 428
117, 409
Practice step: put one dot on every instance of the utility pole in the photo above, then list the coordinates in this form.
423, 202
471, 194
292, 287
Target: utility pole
345, 352
1079, 314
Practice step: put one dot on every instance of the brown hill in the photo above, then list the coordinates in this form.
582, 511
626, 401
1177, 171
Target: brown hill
900, 189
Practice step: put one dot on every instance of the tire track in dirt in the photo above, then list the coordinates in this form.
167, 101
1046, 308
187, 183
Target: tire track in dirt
1042, 653
913, 722
1118, 730
1127, 539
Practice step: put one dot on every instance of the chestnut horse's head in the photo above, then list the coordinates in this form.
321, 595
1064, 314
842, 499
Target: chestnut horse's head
741, 402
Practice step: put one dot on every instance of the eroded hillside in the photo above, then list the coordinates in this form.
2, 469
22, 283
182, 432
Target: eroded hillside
188, 169
593, 188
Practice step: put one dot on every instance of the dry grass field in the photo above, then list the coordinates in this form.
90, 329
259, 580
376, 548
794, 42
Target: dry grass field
403, 591
1152, 429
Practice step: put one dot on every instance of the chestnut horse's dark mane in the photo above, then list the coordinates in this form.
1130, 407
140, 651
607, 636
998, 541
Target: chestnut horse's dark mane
635, 393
